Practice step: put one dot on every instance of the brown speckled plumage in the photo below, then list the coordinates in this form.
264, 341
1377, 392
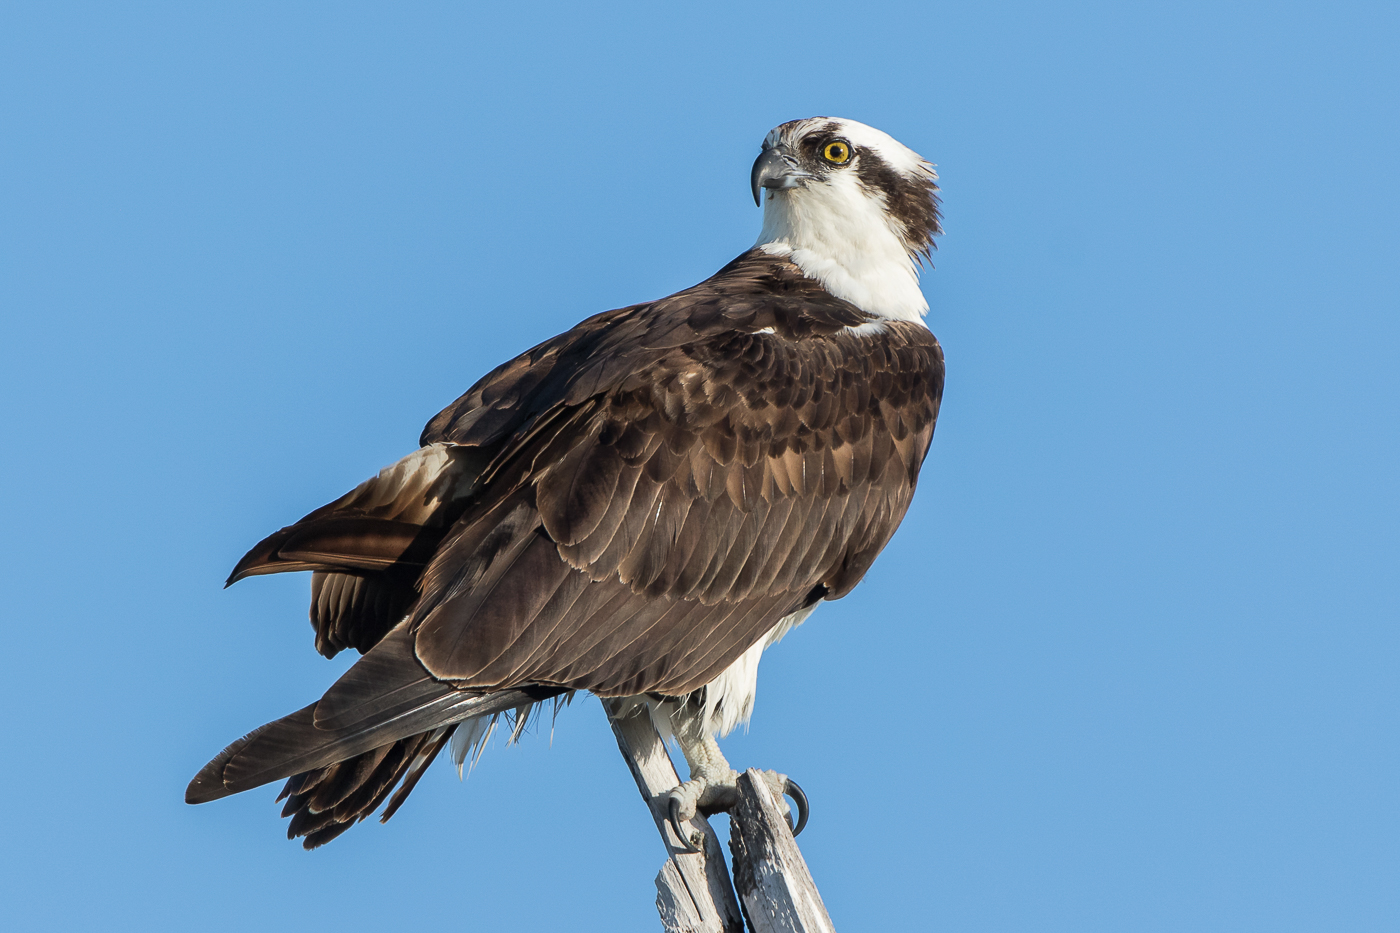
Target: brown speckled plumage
625, 509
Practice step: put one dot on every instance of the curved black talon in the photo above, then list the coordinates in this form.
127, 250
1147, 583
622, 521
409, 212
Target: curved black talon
799, 796
674, 814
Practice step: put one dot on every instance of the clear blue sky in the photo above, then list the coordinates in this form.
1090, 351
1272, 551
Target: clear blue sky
1130, 665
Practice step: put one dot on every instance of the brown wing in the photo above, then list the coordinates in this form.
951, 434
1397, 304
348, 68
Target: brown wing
368, 548
705, 495
366, 551
650, 493
689, 471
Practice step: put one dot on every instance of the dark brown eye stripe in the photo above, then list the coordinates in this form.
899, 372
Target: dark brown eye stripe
911, 201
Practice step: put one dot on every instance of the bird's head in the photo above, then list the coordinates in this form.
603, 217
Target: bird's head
853, 207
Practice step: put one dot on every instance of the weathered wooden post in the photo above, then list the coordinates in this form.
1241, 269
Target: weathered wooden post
694, 894
774, 884
693, 890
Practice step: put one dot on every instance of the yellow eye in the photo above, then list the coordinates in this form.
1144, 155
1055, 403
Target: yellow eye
836, 153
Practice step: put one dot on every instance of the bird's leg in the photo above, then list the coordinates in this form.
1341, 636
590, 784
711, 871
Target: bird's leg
713, 785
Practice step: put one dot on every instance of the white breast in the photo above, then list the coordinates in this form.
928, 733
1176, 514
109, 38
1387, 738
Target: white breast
729, 698
839, 234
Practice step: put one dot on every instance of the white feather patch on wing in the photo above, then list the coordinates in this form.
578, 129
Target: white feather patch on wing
412, 488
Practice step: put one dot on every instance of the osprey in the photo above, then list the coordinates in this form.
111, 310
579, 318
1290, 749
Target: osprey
638, 507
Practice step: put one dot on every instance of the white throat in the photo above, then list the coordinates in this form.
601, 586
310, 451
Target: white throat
839, 234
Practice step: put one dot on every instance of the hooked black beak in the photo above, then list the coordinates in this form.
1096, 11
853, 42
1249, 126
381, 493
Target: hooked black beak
776, 168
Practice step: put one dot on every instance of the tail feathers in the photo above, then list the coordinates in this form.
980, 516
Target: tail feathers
387, 682
295, 745
325, 802
470, 739
416, 766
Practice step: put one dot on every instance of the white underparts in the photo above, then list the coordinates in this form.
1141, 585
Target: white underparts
882, 281
472, 734
840, 236
725, 702
715, 709
469, 741
729, 697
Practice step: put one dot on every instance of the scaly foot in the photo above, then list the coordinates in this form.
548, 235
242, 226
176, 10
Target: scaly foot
713, 790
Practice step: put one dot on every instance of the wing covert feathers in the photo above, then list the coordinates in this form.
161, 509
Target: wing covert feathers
676, 454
